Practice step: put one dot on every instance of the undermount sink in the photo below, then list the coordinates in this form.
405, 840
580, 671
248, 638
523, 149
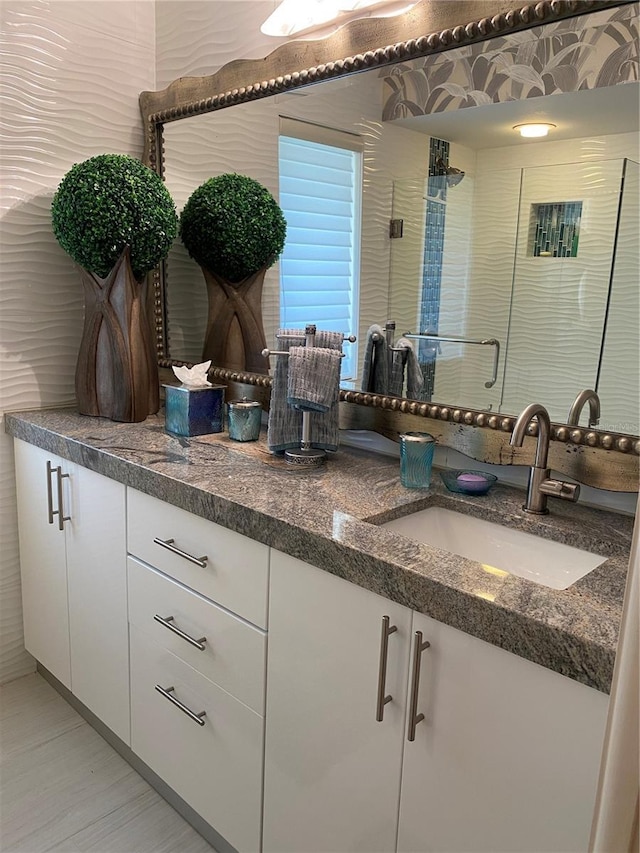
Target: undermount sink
499, 549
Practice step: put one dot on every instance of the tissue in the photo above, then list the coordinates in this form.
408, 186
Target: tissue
194, 377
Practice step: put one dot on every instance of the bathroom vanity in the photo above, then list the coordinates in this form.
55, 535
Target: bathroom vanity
301, 677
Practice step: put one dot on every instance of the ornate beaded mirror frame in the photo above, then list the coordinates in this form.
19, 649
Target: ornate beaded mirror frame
602, 459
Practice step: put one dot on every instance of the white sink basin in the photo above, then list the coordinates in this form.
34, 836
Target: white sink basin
499, 549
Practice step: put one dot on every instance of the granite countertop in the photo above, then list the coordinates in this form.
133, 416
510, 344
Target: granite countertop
329, 516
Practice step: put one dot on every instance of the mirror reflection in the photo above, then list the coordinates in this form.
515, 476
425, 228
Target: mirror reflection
528, 243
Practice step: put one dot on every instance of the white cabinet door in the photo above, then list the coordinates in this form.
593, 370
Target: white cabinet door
74, 580
43, 560
332, 772
96, 565
507, 756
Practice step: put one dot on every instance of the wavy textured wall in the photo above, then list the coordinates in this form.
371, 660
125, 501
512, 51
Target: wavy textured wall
619, 380
71, 76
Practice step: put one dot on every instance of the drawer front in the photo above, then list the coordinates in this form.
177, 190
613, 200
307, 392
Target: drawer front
231, 652
235, 573
215, 767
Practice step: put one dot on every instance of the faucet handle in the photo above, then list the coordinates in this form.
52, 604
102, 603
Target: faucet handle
560, 489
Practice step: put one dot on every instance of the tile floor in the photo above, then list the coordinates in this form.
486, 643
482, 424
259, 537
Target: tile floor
63, 789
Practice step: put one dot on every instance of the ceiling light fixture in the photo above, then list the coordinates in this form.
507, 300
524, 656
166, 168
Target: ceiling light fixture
295, 17
534, 129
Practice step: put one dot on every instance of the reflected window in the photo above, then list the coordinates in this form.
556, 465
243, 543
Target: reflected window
321, 198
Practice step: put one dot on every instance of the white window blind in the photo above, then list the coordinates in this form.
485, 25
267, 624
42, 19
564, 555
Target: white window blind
320, 195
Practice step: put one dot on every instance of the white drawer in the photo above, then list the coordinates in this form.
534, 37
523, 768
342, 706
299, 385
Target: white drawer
235, 572
233, 653
215, 767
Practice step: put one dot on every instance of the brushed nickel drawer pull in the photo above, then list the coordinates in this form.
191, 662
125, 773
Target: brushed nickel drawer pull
414, 717
50, 510
167, 621
382, 670
168, 544
167, 692
60, 511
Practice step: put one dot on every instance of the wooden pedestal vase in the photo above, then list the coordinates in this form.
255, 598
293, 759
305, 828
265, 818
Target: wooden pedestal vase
117, 370
235, 334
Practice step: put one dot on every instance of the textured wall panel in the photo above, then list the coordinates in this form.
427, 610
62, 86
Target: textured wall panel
558, 305
197, 37
619, 381
71, 75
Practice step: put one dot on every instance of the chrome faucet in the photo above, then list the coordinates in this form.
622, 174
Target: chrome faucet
540, 483
583, 397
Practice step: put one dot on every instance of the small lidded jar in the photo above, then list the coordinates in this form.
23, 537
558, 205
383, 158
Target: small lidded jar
244, 419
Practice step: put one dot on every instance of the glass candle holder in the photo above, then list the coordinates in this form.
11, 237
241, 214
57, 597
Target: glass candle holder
244, 418
416, 459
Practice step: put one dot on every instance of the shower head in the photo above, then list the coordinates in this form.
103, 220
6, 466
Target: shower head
453, 175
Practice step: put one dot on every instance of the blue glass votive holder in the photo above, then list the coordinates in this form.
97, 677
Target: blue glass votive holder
416, 459
194, 411
244, 418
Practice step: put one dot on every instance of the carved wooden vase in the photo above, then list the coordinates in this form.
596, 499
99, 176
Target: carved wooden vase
235, 334
117, 371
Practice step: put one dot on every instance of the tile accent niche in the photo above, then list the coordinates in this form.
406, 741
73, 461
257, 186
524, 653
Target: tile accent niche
555, 229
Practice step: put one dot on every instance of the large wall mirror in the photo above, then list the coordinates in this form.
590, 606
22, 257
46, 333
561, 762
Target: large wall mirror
517, 258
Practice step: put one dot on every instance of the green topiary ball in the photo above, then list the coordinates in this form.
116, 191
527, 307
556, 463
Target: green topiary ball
233, 226
109, 202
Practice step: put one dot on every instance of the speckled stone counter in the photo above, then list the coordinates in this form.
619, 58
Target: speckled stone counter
329, 516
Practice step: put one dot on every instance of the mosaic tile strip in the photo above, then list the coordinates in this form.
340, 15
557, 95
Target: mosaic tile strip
432, 261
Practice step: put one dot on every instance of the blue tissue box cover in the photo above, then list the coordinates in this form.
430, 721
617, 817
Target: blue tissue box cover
194, 411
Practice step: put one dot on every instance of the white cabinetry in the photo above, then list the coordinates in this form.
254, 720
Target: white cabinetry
197, 668
505, 759
73, 564
507, 756
332, 773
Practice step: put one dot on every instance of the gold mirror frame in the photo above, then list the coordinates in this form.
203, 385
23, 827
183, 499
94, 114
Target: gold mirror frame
602, 459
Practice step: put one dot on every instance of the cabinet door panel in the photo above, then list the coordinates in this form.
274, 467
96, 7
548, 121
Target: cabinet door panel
507, 756
42, 561
332, 773
96, 563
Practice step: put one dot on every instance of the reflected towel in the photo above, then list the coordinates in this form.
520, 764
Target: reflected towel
398, 362
405, 362
375, 370
314, 378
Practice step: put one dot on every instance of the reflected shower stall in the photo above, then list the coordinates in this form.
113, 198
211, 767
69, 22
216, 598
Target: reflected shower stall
545, 261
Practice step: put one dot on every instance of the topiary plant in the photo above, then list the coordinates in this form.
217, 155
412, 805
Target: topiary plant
108, 202
233, 226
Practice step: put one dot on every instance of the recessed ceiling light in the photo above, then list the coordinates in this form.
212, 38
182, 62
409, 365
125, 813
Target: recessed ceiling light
532, 129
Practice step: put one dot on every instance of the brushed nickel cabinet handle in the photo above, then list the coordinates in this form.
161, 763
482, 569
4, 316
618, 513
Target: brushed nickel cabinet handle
167, 692
50, 511
168, 544
382, 700
167, 621
60, 511
414, 717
